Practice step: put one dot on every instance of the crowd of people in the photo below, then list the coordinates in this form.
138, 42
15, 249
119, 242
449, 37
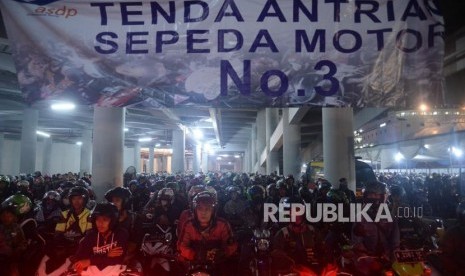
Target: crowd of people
51, 222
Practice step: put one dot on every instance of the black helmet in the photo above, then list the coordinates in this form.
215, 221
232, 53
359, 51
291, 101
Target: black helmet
120, 192
280, 184
204, 198
233, 189
397, 191
79, 191
271, 188
53, 195
324, 185
375, 187
291, 200
108, 210
256, 192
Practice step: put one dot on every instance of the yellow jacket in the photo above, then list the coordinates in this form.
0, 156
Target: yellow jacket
67, 220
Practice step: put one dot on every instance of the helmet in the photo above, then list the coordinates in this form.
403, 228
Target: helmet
173, 185
212, 191
375, 187
53, 195
256, 192
324, 185
160, 184
233, 189
290, 200
79, 191
166, 194
280, 184
23, 184
337, 196
193, 191
4, 182
82, 183
271, 188
21, 203
67, 185
105, 209
397, 191
204, 198
120, 192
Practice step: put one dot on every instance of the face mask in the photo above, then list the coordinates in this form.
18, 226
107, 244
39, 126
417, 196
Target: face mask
164, 202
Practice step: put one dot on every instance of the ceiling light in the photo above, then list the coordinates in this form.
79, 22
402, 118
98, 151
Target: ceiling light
145, 139
79, 143
198, 134
126, 129
237, 156
382, 125
157, 145
41, 133
63, 106
423, 107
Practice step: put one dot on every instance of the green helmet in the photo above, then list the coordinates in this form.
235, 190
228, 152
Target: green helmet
20, 202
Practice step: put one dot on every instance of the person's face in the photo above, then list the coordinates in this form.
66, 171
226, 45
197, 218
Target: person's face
103, 224
77, 202
204, 214
282, 192
118, 202
7, 218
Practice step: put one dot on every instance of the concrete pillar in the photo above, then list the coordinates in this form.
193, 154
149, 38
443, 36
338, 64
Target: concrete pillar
29, 140
272, 159
151, 156
137, 157
47, 156
197, 158
245, 160
204, 164
338, 145
86, 152
291, 146
164, 163
108, 146
179, 151
261, 137
253, 151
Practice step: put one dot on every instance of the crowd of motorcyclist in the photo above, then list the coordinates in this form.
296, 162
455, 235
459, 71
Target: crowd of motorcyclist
165, 224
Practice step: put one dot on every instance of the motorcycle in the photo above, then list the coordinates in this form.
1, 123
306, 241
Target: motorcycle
113, 270
261, 263
66, 269
158, 250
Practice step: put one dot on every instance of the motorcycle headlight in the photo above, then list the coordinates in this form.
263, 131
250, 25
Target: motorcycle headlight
263, 245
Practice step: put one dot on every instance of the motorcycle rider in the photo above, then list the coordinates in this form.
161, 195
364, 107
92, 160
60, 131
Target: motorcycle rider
35, 243
106, 243
378, 240
72, 227
12, 241
235, 206
188, 214
298, 240
206, 237
120, 197
47, 214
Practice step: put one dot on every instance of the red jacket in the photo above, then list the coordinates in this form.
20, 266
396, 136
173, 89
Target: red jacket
193, 243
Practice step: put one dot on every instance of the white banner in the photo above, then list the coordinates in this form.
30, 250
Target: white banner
229, 53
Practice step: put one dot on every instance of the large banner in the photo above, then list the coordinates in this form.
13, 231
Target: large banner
229, 53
